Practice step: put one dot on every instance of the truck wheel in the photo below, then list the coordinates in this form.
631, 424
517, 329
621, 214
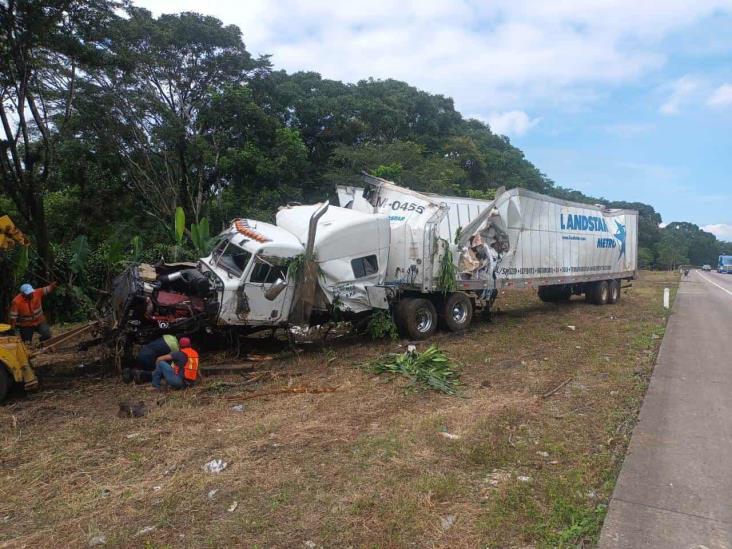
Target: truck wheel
613, 292
457, 312
554, 293
416, 318
600, 292
547, 294
4, 382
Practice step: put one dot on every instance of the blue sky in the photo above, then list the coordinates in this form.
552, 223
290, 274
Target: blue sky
622, 99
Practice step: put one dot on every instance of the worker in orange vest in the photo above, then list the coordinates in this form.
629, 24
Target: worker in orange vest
179, 368
26, 311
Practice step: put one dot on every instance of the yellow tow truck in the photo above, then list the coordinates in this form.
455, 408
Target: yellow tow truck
15, 365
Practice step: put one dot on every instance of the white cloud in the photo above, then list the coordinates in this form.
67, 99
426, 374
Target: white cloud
511, 123
681, 90
722, 96
723, 231
493, 56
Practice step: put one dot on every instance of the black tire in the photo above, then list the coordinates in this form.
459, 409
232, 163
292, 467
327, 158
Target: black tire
416, 318
555, 293
456, 312
599, 292
613, 295
5, 382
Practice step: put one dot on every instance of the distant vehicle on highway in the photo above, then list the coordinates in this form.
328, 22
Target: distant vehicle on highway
725, 264
706, 267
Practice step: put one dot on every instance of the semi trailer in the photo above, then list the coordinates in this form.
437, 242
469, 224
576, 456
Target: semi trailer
424, 259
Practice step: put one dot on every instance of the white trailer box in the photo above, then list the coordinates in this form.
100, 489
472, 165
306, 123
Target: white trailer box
535, 240
551, 241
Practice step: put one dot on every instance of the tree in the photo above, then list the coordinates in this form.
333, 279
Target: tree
165, 74
44, 48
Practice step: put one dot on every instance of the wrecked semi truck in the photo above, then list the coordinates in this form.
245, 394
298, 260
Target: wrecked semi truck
423, 259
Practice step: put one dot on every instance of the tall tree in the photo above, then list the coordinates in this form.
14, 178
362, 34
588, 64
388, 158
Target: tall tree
45, 45
165, 74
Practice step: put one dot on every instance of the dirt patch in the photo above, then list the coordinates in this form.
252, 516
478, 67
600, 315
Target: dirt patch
374, 463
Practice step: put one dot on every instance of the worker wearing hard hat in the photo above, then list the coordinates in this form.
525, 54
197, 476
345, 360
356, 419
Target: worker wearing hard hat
26, 312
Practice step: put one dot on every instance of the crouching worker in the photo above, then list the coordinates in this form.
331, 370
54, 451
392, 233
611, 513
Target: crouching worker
145, 365
179, 368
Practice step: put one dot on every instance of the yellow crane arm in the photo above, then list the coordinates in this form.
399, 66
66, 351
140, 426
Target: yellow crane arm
10, 235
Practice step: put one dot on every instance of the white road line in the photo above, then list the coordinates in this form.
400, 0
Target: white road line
712, 282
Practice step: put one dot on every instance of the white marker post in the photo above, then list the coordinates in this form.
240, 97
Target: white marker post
666, 298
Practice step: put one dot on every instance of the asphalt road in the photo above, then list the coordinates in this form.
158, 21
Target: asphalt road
675, 486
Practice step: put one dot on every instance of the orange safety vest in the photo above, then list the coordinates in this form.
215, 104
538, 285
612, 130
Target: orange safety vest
28, 312
190, 371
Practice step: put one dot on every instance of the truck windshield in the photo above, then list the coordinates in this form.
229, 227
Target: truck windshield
231, 257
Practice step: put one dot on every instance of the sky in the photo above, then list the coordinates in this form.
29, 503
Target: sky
622, 99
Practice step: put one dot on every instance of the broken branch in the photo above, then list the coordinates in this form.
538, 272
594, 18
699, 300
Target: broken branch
557, 388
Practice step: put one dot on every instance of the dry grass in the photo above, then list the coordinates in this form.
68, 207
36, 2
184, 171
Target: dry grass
367, 465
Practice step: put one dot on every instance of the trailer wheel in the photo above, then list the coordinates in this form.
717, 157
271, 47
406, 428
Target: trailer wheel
457, 312
5, 382
416, 318
599, 292
613, 292
554, 293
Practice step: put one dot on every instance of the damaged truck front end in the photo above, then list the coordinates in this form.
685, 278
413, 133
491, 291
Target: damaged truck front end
176, 298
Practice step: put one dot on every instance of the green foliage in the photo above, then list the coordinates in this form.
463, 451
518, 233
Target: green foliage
389, 171
430, 369
79, 254
458, 234
646, 258
481, 194
136, 249
381, 325
179, 225
447, 279
296, 268
20, 264
201, 237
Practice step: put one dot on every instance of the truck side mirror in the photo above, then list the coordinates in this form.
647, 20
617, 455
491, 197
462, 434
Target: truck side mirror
275, 289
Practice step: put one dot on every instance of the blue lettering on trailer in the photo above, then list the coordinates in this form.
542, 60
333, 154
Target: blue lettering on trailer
579, 222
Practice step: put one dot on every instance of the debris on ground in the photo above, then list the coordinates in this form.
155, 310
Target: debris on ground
215, 466
212, 493
523, 478
556, 389
129, 408
447, 521
95, 541
570, 327
238, 408
233, 506
430, 368
145, 530
497, 477
451, 436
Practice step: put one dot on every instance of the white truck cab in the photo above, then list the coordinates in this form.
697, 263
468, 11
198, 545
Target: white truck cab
250, 262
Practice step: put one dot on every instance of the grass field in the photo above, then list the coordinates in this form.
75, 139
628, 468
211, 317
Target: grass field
372, 464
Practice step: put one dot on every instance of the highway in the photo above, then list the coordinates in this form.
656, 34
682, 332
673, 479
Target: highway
675, 486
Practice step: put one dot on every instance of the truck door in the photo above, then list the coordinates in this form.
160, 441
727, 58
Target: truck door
265, 272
